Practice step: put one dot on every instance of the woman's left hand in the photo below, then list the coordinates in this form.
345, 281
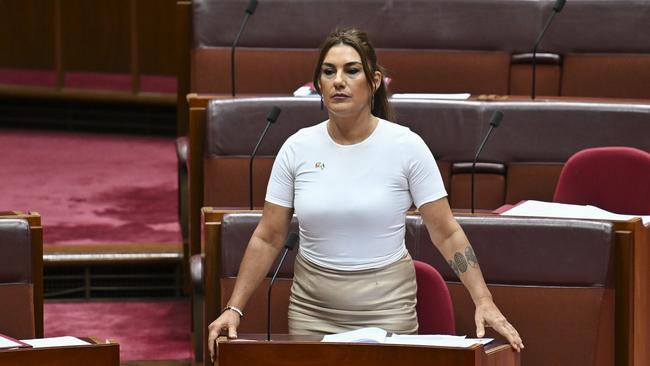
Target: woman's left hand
487, 314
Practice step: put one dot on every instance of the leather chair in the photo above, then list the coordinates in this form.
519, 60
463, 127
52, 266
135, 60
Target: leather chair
434, 307
616, 179
21, 278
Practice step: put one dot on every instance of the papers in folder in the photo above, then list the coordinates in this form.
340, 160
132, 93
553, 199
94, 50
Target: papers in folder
551, 209
378, 335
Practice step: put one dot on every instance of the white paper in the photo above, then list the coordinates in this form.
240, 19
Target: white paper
305, 91
363, 335
55, 342
8, 343
448, 96
437, 340
378, 335
552, 209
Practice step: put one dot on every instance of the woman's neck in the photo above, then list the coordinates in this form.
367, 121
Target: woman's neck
351, 130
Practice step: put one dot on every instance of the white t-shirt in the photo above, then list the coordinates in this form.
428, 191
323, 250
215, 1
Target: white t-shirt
351, 200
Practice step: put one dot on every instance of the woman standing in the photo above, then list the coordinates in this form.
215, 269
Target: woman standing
351, 180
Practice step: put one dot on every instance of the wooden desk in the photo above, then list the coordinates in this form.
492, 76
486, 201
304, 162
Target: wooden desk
309, 351
96, 354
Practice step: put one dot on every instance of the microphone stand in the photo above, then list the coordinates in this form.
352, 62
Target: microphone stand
288, 245
494, 123
250, 9
559, 4
270, 119
250, 167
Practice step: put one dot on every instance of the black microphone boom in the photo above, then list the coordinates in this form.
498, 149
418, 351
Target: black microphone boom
250, 10
557, 7
291, 241
497, 116
271, 118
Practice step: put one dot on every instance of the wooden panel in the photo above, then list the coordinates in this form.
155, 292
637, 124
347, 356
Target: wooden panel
282, 351
554, 322
489, 194
446, 72
96, 354
226, 181
606, 75
27, 36
156, 21
532, 181
547, 80
183, 30
96, 35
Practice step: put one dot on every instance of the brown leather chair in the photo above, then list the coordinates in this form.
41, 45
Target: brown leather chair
21, 275
554, 279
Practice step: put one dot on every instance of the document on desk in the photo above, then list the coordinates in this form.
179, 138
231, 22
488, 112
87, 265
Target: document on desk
55, 342
8, 342
534, 208
362, 335
378, 335
436, 340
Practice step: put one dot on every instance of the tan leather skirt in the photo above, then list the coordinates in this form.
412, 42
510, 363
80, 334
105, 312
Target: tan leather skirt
326, 301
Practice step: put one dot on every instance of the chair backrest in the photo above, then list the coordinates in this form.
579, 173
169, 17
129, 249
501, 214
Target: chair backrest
21, 315
616, 179
434, 307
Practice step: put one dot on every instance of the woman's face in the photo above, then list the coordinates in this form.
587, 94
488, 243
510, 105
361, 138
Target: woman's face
343, 83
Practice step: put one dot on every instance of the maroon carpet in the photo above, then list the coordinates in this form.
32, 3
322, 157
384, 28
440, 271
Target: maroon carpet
92, 188
145, 330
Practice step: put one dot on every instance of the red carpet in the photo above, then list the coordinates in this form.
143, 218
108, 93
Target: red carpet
92, 188
145, 330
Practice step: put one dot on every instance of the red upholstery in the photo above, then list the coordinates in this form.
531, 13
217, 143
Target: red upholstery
435, 311
616, 179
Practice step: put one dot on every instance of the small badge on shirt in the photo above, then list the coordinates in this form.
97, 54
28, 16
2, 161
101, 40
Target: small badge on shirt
320, 165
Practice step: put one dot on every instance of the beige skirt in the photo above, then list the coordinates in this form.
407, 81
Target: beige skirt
326, 301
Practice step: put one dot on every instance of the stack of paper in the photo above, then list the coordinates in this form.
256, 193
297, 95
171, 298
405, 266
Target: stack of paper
378, 335
552, 209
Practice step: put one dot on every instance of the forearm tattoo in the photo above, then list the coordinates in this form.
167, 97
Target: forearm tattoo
460, 263
471, 257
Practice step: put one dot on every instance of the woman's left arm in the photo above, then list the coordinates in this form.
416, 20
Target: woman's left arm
449, 238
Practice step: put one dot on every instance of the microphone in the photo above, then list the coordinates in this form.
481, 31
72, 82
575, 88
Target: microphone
250, 10
271, 118
291, 241
497, 116
557, 7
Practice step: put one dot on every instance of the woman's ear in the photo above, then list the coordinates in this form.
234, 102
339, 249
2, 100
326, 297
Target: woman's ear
376, 80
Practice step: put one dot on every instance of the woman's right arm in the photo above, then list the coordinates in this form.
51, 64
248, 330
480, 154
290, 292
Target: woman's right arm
264, 246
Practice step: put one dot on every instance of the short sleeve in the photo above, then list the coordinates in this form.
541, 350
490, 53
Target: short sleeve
280, 189
424, 179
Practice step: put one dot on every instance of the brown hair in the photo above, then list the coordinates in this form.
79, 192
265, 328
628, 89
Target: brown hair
358, 40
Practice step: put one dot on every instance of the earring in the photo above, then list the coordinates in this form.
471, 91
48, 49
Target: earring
372, 102
321, 102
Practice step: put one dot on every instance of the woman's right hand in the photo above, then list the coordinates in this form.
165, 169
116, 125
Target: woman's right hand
228, 321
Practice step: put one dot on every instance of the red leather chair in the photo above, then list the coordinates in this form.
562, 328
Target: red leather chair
435, 311
616, 179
